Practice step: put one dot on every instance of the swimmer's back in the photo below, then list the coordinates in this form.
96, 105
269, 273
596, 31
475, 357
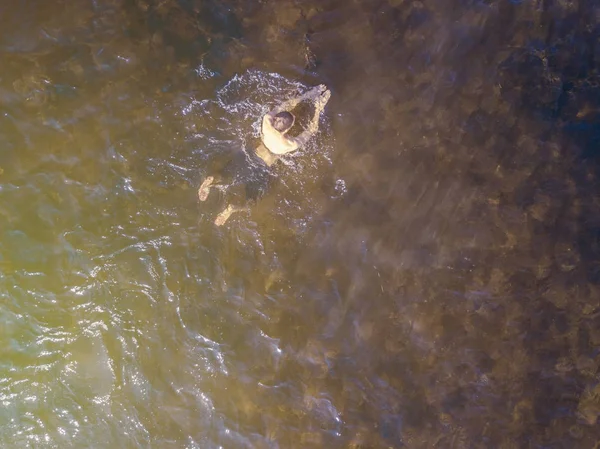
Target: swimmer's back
275, 141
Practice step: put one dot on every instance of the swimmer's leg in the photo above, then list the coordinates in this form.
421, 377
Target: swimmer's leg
223, 176
218, 181
254, 191
224, 216
258, 186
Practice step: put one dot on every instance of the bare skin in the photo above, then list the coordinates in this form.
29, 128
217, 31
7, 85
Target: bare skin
278, 142
275, 142
204, 189
226, 213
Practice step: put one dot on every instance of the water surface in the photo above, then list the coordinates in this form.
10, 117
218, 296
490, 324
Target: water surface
424, 274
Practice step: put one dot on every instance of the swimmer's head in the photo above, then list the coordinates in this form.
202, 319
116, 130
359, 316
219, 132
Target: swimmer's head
283, 121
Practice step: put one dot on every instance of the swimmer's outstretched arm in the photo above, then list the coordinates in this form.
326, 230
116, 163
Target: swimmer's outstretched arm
321, 99
310, 94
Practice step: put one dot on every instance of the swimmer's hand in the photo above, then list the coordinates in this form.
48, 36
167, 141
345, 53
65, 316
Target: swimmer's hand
320, 89
322, 99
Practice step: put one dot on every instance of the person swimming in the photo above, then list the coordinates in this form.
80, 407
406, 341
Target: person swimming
252, 171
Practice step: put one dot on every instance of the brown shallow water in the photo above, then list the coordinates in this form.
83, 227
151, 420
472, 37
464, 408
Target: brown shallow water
425, 274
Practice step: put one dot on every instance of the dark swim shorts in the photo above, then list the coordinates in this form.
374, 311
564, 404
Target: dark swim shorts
246, 176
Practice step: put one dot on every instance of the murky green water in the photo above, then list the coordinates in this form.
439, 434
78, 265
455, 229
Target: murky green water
424, 275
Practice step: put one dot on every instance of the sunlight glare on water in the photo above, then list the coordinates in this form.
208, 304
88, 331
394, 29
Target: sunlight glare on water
124, 319
423, 274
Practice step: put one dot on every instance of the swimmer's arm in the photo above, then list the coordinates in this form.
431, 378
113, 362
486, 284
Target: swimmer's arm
313, 126
290, 104
311, 129
285, 106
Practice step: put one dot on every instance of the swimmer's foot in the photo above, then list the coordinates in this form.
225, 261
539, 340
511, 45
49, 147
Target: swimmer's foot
224, 216
204, 189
